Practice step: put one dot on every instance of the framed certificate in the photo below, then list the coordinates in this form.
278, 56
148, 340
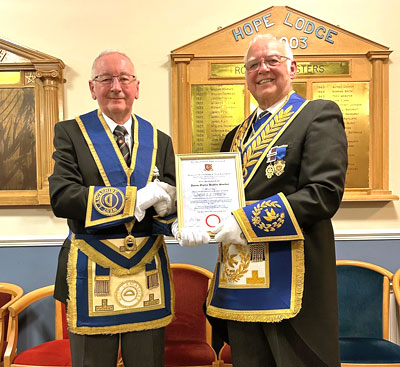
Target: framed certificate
209, 187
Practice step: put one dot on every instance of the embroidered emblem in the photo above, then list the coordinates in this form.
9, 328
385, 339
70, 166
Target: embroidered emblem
234, 269
274, 218
151, 301
129, 294
109, 201
105, 307
255, 279
255, 150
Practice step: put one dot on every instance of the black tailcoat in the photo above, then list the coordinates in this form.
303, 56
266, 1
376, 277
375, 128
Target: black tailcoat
74, 171
313, 182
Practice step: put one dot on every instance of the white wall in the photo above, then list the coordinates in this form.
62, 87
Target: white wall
76, 31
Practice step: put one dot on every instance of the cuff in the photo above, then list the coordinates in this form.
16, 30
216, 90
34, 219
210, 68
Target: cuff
109, 206
270, 219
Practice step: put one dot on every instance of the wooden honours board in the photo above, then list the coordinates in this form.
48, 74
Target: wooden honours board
209, 95
31, 95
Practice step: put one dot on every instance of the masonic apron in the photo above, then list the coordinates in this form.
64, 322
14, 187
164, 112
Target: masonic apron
118, 283
262, 281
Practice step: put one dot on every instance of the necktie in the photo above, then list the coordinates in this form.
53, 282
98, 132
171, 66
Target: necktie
261, 119
119, 134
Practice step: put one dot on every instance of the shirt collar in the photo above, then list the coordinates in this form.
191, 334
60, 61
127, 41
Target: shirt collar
112, 124
272, 109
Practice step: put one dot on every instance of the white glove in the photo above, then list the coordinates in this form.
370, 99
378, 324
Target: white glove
229, 231
165, 207
148, 196
189, 237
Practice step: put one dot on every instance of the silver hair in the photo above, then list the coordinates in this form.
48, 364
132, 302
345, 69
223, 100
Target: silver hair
105, 53
268, 36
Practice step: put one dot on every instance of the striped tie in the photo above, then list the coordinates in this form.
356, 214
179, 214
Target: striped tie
261, 119
119, 134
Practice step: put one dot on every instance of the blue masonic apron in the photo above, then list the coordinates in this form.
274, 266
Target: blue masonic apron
118, 283
262, 281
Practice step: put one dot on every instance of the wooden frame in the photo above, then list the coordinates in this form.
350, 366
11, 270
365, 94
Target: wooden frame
16, 293
15, 309
396, 289
232, 183
368, 63
221, 362
43, 76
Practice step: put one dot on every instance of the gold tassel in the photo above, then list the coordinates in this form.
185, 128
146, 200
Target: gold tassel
152, 279
102, 286
257, 252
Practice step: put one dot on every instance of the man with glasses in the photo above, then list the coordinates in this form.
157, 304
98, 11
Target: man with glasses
113, 179
274, 294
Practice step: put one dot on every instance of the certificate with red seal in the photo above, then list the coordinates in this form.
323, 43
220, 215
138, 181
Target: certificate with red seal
209, 187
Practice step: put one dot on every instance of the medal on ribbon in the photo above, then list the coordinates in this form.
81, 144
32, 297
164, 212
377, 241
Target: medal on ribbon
276, 164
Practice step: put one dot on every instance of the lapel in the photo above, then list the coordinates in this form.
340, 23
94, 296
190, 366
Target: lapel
255, 149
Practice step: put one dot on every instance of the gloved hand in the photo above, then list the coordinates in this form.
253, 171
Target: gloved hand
165, 207
189, 237
229, 231
148, 196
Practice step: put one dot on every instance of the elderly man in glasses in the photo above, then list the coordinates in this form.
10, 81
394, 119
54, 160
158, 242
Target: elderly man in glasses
113, 179
274, 294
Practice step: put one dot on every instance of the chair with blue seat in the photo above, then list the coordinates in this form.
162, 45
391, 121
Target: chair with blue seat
396, 291
363, 300
396, 288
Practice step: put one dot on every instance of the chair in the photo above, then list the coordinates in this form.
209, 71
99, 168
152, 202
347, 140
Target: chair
396, 288
9, 293
224, 356
188, 337
52, 353
363, 300
396, 291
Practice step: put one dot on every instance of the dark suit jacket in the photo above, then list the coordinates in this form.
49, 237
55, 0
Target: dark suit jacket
74, 171
313, 182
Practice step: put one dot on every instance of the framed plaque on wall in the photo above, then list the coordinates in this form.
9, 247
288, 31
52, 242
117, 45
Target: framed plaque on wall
209, 94
31, 95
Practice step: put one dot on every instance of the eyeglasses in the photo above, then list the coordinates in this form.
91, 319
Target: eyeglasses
270, 61
107, 79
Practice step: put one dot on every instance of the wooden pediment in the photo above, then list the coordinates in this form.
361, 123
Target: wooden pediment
13, 56
306, 34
